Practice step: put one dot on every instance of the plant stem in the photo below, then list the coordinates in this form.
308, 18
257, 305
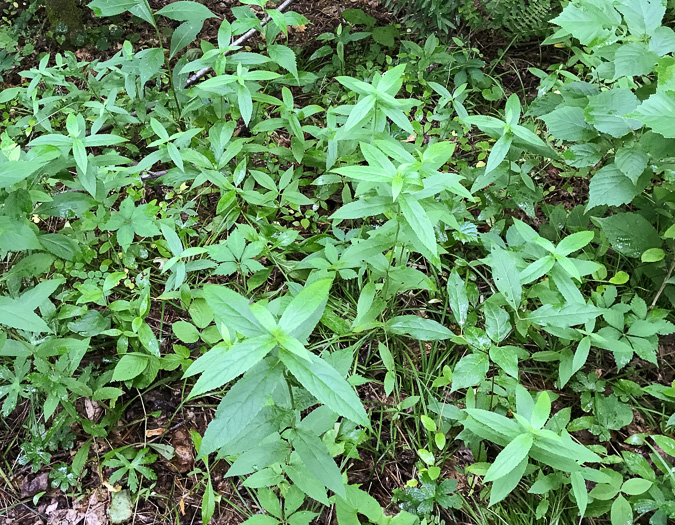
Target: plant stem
663, 284
243, 38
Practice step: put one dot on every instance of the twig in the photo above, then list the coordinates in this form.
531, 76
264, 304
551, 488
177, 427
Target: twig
153, 175
663, 284
199, 74
243, 38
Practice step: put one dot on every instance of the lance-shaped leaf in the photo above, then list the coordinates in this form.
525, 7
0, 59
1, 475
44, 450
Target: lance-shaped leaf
305, 310
509, 458
242, 403
327, 385
222, 364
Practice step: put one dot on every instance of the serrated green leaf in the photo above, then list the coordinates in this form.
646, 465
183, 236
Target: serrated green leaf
60, 245
634, 59
184, 11
506, 357
610, 187
15, 315
385, 35
221, 365
608, 111
307, 306
418, 327
569, 315
506, 276
505, 485
327, 385
590, 23
242, 403
642, 16
630, 233
568, 123
316, 457
632, 161
232, 310
470, 370
16, 171
583, 155
419, 222
497, 322
261, 519
509, 458
17, 235
285, 57
360, 112
658, 113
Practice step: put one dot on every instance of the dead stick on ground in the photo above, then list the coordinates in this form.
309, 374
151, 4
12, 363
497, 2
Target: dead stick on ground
663, 284
153, 175
243, 38
239, 41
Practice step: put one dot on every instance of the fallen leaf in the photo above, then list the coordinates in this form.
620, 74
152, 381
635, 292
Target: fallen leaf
93, 410
121, 507
32, 486
85, 511
154, 432
183, 459
112, 488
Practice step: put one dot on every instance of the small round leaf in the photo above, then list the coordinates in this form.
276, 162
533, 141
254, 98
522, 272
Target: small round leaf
653, 255
185, 331
636, 486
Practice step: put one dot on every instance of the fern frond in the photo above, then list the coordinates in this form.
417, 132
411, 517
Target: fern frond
520, 18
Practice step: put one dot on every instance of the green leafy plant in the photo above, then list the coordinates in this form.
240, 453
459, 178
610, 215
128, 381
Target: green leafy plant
134, 464
419, 498
529, 438
358, 255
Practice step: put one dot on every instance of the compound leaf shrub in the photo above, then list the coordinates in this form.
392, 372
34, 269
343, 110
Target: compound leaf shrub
615, 123
294, 231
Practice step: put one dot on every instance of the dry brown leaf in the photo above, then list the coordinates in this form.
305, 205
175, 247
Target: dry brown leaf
93, 410
33, 485
91, 511
183, 459
112, 488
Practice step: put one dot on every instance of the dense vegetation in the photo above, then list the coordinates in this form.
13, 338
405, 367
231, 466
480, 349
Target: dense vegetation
364, 281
